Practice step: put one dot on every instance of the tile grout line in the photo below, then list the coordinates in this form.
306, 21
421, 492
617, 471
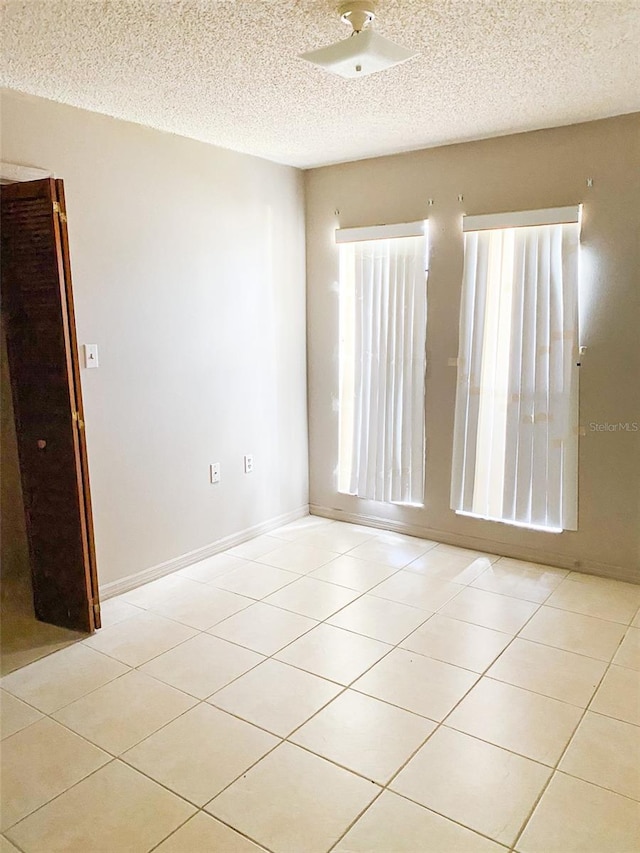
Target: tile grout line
555, 768
137, 667
356, 819
345, 688
268, 731
552, 768
349, 686
437, 728
198, 699
120, 756
285, 739
272, 656
259, 845
7, 829
173, 831
366, 592
439, 724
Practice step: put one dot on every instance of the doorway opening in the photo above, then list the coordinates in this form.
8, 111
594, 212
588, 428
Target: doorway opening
49, 578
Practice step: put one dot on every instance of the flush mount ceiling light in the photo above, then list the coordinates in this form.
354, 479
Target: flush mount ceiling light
365, 51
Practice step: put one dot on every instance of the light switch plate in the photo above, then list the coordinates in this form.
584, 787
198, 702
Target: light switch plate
91, 355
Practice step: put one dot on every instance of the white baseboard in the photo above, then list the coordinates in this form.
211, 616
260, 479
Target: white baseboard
547, 558
109, 590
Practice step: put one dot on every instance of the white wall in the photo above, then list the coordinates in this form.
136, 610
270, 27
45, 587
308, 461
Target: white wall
188, 265
532, 170
189, 273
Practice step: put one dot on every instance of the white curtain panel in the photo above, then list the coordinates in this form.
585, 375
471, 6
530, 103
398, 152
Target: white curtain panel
383, 317
516, 418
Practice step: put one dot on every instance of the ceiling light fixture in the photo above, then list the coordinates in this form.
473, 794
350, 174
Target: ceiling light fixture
365, 51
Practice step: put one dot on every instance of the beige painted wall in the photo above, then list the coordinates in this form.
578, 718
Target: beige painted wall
532, 170
188, 272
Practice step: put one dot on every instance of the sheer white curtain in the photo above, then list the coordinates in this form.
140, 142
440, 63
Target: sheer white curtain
516, 419
383, 316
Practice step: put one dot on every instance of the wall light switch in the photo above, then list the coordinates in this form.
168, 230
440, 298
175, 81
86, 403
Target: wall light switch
91, 355
214, 471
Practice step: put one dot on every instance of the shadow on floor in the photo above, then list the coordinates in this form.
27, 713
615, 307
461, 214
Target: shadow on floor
23, 639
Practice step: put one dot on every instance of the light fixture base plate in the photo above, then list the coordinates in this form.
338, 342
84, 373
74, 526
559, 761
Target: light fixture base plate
358, 13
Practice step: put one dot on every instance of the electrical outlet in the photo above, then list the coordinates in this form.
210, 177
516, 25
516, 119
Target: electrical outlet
248, 464
214, 470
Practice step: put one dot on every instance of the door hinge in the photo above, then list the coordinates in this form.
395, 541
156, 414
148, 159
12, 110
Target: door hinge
78, 420
96, 608
61, 213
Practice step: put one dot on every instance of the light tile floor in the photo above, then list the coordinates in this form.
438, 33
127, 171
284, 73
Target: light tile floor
334, 687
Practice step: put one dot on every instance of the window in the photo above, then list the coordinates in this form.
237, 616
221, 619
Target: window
383, 317
516, 419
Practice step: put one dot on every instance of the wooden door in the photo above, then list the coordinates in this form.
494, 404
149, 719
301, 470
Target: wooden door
45, 380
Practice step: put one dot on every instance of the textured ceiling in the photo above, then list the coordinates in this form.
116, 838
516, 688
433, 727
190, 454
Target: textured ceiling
227, 72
